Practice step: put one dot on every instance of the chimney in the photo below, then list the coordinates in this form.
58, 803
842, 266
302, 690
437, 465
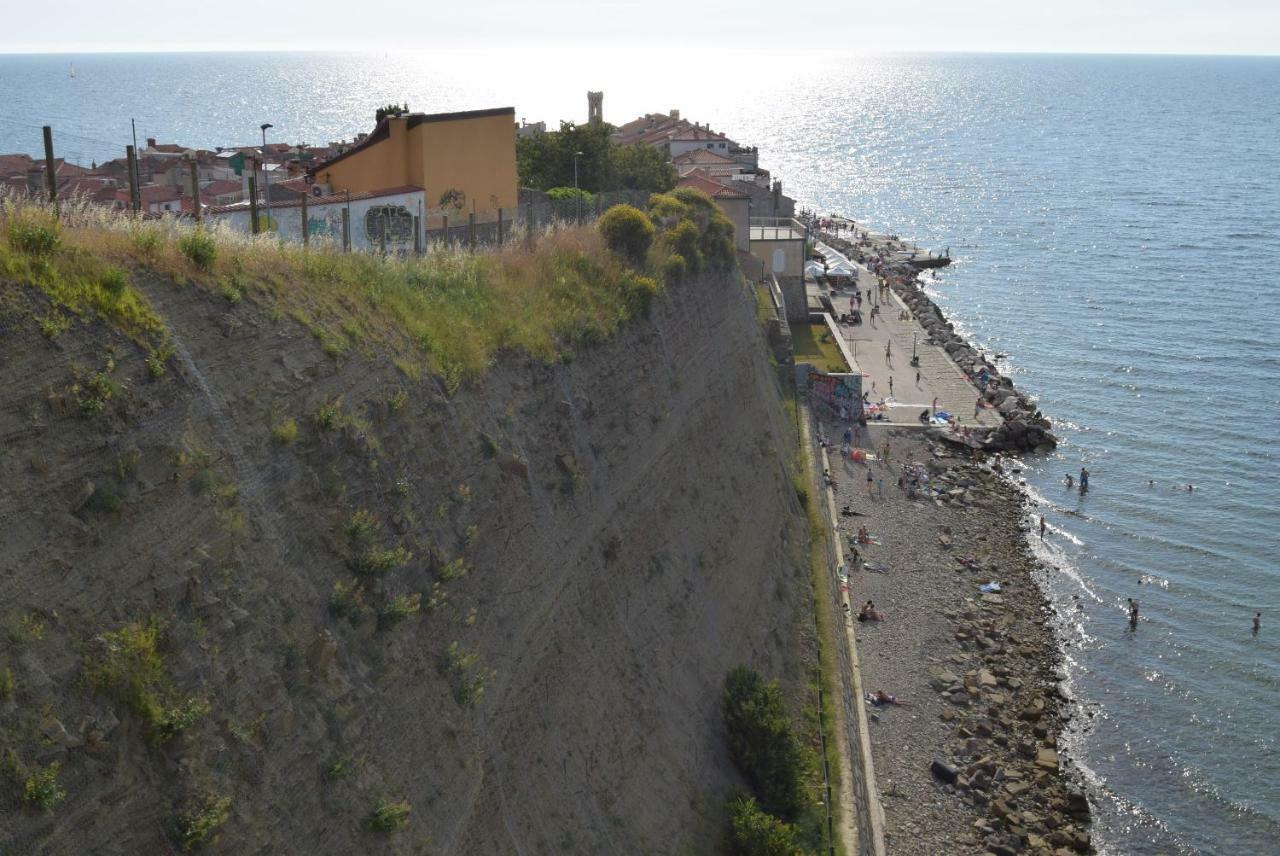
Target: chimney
151, 142
675, 114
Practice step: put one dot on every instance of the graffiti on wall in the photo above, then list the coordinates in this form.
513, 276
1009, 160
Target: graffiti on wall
326, 225
840, 393
394, 222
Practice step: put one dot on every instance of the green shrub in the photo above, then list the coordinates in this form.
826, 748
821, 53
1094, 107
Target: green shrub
54, 324
7, 684
34, 231
754, 832
762, 742
347, 601
674, 269
685, 240
285, 432
568, 194
379, 561
115, 282
157, 358
41, 787
389, 815
399, 608
199, 822
627, 231
131, 667
199, 248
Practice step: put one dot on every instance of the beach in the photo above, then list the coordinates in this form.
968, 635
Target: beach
967, 763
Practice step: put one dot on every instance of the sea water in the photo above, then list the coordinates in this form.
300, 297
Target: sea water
1115, 225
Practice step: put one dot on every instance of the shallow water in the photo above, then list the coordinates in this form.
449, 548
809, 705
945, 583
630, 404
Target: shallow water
1116, 228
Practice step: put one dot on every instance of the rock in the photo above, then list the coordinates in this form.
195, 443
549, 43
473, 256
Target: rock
986, 679
513, 465
943, 771
1048, 759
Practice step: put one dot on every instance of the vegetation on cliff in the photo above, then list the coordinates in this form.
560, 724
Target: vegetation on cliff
448, 313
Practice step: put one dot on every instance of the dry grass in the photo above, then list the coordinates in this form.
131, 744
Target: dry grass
449, 313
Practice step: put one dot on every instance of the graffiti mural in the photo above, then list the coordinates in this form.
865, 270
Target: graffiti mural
840, 393
326, 225
392, 221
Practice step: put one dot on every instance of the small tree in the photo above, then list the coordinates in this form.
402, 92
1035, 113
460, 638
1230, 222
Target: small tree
762, 743
627, 231
754, 832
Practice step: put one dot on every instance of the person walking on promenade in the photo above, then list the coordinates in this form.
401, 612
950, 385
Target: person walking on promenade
891, 385
888, 352
917, 377
1257, 622
1042, 527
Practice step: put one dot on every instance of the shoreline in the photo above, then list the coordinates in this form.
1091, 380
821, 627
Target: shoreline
970, 763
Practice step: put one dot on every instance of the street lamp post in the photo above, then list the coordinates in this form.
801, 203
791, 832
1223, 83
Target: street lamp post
266, 196
577, 202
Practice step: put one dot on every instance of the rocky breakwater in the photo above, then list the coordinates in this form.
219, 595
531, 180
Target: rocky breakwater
1024, 428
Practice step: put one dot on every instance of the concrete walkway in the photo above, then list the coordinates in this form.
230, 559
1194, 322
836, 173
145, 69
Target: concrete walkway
939, 376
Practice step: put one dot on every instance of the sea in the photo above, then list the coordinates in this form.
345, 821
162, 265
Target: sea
1115, 227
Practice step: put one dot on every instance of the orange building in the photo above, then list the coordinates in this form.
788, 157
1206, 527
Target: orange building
465, 162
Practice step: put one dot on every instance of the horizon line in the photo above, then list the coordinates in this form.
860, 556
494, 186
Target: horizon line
110, 51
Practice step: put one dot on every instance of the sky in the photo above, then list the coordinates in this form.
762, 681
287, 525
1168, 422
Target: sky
1049, 26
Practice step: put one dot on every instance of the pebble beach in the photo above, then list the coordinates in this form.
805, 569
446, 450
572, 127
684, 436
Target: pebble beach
967, 763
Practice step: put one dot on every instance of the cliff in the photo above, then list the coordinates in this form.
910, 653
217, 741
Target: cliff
252, 588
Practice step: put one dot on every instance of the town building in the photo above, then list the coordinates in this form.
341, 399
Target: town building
464, 162
735, 204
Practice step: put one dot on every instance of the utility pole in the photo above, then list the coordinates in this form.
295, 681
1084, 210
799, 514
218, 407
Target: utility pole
49, 172
266, 180
253, 204
346, 230
195, 191
135, 193
471, 232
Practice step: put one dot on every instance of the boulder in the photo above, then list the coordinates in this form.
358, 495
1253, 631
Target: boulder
943, 771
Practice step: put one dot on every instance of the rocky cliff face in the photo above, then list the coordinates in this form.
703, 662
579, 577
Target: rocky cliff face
589, 547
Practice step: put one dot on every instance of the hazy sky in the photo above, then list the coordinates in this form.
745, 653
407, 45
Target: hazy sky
1103, 26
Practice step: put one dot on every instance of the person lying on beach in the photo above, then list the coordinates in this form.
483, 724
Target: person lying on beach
864, 537
880, 697
869, 613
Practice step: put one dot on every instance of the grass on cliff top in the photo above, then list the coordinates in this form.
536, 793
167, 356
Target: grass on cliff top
449, 313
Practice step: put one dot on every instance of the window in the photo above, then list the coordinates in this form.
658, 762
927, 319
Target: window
710, 145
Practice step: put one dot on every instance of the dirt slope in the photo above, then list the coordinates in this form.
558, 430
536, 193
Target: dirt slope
627, 532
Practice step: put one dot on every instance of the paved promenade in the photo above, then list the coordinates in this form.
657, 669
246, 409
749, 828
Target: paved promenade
938, 376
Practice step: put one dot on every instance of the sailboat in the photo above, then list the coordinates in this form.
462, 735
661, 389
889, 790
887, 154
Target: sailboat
72, 73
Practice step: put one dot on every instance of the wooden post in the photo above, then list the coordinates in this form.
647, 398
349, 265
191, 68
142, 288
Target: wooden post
417, 235
306, 224
529, 225
471, 231
499, 227
135, 193
195, 192
50, 174
253, 205
446, 231
346, 230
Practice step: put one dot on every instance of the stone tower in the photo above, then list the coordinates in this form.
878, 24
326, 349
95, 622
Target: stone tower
595, 107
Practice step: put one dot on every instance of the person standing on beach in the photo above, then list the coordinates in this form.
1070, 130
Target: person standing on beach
1042, 527
871, 482
935, 405
890, 384
1257, 622
977, 407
